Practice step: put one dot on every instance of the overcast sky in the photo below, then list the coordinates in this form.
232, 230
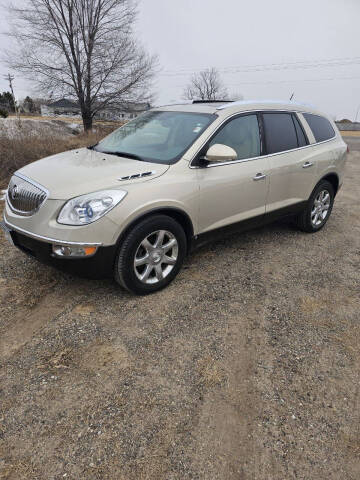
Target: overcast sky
262, 48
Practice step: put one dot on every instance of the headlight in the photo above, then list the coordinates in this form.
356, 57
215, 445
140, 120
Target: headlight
89, 208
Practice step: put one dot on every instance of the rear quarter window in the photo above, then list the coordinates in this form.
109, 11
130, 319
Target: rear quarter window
320, 126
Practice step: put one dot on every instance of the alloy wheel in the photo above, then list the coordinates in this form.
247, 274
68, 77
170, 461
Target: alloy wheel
156, 256
321, 207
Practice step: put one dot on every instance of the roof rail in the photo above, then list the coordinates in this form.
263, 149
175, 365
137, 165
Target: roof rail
251, 102
172, 104
212, 101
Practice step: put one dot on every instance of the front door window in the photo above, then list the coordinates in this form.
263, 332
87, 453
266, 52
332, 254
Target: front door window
242, 134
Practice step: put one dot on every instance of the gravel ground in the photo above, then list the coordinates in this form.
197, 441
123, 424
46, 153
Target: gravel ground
246, 367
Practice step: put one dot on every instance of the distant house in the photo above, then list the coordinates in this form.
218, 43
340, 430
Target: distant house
348, 126
61, 107
67, 107
124, 112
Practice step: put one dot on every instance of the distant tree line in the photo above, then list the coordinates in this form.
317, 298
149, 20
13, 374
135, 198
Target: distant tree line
6, 104
28, 105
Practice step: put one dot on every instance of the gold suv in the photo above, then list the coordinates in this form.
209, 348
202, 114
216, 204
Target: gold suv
133, 205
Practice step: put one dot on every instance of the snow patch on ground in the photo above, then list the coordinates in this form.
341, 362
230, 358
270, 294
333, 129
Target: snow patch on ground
12, 128
75, 126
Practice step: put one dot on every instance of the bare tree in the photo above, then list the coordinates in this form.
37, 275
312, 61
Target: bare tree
85, 49
236, 96
206, 85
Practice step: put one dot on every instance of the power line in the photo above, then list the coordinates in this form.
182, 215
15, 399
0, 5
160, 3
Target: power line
334, 62
299, 80
294, 80
302, 64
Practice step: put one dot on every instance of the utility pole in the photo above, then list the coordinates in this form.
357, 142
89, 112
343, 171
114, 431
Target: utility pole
10, 79
357, 113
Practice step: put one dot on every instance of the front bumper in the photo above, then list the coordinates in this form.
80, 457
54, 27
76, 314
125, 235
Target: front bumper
43, 226
41, 238
100, 265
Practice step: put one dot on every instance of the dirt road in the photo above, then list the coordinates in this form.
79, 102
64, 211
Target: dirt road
246, 367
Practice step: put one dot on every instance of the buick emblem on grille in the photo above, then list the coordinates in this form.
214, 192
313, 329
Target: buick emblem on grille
14, 192
25, 198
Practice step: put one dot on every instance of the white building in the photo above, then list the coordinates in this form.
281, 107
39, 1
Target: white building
64, 107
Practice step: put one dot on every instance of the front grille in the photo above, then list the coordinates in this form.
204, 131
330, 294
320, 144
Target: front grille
23, 197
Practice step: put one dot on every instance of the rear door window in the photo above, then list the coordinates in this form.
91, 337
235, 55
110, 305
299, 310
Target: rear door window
280, 133
320, 126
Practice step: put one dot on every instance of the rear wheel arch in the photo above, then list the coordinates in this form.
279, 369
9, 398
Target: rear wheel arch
333, 179
304, 219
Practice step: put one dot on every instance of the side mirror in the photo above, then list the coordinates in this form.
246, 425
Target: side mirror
220, 153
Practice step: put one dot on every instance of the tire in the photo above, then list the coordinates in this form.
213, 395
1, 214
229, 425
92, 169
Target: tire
158, 245
307, 220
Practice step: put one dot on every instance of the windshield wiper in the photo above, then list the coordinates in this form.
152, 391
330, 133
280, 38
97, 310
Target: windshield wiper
125, 154
91, 147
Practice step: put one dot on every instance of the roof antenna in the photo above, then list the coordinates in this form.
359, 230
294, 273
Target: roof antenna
292, 96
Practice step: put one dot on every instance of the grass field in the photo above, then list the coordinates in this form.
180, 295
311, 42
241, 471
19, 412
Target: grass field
350, 133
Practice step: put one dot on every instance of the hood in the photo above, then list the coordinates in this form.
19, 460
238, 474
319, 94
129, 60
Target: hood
81, 171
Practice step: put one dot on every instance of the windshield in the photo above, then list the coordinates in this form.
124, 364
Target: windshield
156, 136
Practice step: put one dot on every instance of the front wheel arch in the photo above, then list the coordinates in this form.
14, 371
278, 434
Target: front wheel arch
175, 213
125, 267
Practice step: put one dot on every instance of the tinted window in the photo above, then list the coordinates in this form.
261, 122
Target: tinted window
241, 134
320, 126
280, 134
302, 141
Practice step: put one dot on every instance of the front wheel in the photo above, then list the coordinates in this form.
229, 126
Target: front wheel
150, 255
318, 209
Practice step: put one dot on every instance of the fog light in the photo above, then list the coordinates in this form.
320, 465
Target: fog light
73, 251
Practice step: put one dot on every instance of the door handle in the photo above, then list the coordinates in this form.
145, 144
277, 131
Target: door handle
259, 176
307, 165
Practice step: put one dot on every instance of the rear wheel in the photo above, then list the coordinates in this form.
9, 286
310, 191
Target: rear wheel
318, 209
150, 255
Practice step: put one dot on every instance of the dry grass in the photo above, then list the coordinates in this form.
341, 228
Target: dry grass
350, 133
19, 151
37, 116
